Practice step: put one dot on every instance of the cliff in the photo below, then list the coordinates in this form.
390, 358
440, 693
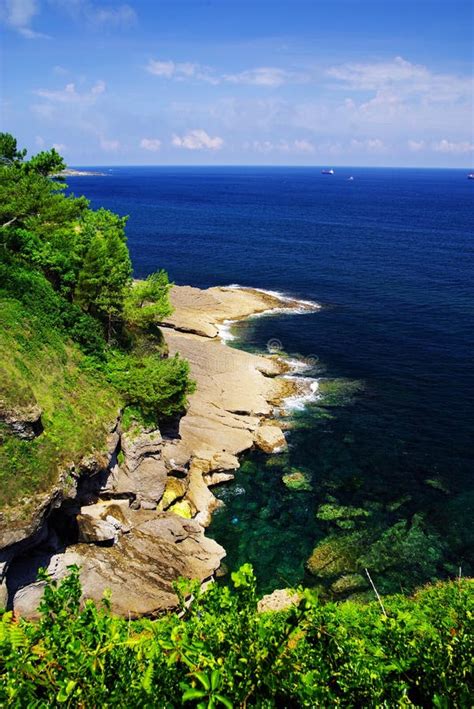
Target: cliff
132, 511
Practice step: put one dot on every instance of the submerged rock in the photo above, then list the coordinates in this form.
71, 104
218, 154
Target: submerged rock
298, 480
332, 557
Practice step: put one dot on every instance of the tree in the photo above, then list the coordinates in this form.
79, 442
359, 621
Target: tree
105, 275
46, 163
9, 152
148, 301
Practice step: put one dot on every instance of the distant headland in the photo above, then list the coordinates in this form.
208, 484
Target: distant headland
70, 172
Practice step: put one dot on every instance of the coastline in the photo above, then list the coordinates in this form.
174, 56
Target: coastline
142, 505
241, 397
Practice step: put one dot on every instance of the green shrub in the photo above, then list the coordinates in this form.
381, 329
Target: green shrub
222, 652
147, 301
158, 387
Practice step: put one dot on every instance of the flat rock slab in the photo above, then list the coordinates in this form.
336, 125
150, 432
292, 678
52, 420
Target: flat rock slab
201, 311
233, 392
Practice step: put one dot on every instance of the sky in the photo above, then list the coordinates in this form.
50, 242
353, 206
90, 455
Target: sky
221, 82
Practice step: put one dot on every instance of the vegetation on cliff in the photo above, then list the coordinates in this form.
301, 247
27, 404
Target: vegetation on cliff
79, 339
222, 652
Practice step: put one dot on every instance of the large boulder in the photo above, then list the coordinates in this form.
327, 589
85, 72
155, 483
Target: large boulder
139, 570
281, 599
270, 439
96, 531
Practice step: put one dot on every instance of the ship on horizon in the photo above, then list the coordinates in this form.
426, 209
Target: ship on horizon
327, 171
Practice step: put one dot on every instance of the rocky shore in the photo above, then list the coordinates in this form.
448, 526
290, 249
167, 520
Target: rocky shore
134, 517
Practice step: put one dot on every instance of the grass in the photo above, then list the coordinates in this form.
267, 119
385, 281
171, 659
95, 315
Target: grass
40, 365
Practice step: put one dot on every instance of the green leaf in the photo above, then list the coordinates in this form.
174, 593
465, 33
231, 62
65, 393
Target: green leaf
192, 693
215, 679
203, 679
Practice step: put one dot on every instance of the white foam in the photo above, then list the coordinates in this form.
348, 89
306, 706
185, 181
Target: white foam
224, 331
297, 365
307, 394
283, 297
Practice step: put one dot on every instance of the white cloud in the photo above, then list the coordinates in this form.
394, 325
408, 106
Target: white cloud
280, 146
304, 146
158, 68
263, 76
371, 145
181, 70
267, 146
18, 14
70, 94
98, 88
377, 74
96, 15
28, 33
447, 146
39, 140
120, 15
398, 78
60, 147
416, 145
108, 145
43, 110
151, 144
197, 139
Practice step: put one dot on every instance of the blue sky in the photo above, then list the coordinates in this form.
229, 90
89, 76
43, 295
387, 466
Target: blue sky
320, 82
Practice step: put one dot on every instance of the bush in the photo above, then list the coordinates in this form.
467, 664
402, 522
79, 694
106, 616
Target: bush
35, 292
158, 387
222, 652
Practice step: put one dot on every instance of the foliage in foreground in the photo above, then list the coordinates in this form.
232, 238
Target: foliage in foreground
221, 652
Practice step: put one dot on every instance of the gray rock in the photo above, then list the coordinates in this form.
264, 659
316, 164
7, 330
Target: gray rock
270, 439
148, 505
24, 422
146, 482
94, 531
136, 446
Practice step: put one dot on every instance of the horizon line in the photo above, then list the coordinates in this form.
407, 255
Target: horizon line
271, 165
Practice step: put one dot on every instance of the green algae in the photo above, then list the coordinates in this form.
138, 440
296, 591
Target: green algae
298, 480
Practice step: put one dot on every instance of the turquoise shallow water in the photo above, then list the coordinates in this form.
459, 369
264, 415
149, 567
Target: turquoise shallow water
390, 257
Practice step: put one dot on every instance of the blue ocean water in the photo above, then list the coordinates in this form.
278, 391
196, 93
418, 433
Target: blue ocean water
390, 257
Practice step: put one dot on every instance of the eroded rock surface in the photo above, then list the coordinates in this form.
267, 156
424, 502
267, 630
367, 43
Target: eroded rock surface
139, 570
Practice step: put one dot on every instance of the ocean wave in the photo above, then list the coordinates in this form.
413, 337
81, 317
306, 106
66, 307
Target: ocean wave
224, 331
308, 393
285, 298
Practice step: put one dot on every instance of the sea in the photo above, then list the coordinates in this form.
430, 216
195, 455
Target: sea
385, 440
